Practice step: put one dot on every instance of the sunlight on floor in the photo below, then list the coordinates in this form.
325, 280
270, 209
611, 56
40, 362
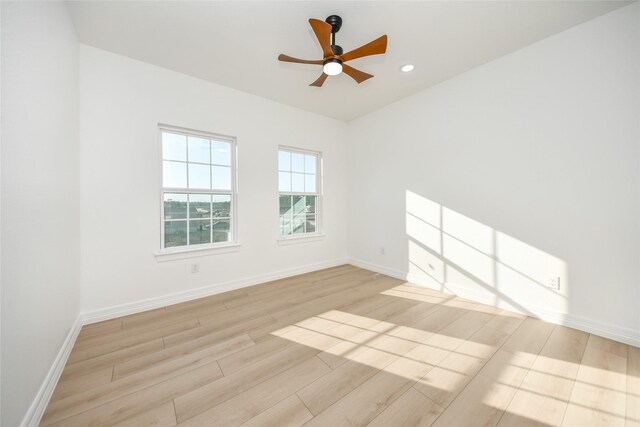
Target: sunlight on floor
466, 367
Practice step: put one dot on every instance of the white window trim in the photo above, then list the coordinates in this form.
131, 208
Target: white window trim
300, 238
183, 252
319, 233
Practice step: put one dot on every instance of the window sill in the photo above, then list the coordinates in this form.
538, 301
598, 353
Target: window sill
177, 254
283, 241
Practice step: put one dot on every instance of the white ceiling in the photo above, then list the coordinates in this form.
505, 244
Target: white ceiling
236, 43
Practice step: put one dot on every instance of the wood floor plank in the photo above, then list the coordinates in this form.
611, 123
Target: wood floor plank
410, 409
529, 338
160, 416
250, 355
485, 398
144, 327
599, 395
84, 353
610, 346
549, 382
222, 330
81, 383
443, 383
95, 397
175, 315
369, 399
420, 330
216, 392
381, 351
146, 399
99, 328
110, 359
290, 412
633, 387
506, 321
219, 350
260, 398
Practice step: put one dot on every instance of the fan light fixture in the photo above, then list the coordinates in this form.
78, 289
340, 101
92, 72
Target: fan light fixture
334, 59
332, 67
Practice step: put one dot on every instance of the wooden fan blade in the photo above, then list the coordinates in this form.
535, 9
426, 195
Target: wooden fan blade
376, 47
287, 58
320, 81
323, 33
357, 75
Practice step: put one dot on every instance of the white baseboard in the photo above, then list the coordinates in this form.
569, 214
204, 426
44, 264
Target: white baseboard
39, 404
614, 332
178, 297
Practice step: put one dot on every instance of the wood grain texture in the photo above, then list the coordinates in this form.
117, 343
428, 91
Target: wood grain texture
290, 412
410, 409
633, 387
549, 382
342, 347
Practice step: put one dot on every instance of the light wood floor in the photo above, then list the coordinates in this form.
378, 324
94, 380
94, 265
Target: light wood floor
343, 346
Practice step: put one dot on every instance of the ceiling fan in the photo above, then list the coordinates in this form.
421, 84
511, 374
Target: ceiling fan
333, 61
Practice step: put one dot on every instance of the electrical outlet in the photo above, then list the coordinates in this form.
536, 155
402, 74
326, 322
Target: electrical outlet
554, 283
195, 267
382, 250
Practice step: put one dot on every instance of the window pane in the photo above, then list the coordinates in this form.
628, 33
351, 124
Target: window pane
298, 224
221, 230
199, 232
221, 153
221, 177
297, 182
285, 225
175, 233
199, 176
221, 205
309, 183
174, 147
174, 174
309, 163
175, 206
310, 226
311, 204
298, 204
284, 181
285, 205
284, 160
199, 150
199, 206
297, 162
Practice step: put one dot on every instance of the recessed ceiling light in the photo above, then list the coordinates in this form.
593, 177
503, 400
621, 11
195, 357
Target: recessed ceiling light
406, 68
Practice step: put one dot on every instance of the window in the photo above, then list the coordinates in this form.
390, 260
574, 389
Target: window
299, 192
198, 189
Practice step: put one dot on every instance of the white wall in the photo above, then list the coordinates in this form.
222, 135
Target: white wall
40, 207
524, 168
121, 103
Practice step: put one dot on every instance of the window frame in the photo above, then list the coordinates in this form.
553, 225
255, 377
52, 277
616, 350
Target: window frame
319, 229
222, 247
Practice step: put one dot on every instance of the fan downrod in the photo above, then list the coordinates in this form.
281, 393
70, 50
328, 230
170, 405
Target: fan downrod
336, 23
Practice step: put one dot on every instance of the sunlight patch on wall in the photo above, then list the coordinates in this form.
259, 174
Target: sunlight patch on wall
450, 251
